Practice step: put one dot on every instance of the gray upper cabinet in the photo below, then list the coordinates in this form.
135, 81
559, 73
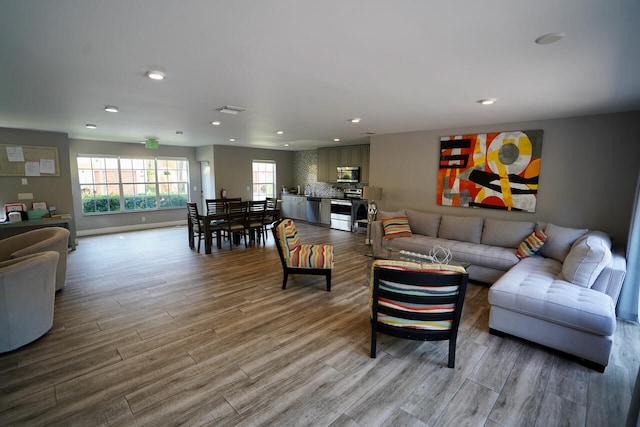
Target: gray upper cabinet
351, 155
323, 165
364, 166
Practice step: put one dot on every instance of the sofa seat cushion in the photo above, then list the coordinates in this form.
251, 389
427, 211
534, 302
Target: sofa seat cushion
473, 253
535, 288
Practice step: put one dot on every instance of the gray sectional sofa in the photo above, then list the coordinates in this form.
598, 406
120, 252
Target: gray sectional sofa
562, 297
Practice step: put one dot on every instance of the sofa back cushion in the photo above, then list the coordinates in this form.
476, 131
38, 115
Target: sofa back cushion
387, 214
505, 234
588, 256
425, 223
462, 228
559, 241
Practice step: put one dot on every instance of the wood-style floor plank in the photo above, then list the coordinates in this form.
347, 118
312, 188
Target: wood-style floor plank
149, 332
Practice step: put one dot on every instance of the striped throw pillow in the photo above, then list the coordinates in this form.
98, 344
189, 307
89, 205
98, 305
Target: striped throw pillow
396, 227
531, 244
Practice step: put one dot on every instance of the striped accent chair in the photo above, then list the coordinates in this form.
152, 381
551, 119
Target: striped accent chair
417, 301
297, 258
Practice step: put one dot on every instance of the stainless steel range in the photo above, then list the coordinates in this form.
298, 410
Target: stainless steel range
342, 213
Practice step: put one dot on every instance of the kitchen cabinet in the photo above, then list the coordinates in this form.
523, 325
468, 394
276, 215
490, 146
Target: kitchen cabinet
325, 211
294, 207
323, 165
350, 155
364, 165
327, 164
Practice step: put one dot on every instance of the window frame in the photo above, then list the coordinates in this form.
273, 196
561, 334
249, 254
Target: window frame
134, 192
263, 195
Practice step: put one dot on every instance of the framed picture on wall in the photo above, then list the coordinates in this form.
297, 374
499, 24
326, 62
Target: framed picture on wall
498, 170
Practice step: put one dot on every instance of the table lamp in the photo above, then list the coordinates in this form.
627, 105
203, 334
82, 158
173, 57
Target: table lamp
371, 194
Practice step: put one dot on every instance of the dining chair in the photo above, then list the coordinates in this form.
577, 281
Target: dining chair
196, 223
271, 216
217, 210
256, 211
417, 301
215, 206
235, 221
297, 258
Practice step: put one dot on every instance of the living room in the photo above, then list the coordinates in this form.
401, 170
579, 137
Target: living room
588, 169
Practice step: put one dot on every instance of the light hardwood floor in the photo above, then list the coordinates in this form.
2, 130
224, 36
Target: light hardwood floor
149, 332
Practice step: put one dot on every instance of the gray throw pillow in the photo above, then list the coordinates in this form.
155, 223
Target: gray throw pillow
559, 241
588, 256
461, 228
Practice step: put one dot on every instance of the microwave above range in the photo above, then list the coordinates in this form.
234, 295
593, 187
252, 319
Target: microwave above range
348, 174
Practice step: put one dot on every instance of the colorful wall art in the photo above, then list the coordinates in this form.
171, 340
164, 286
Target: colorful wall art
490, 170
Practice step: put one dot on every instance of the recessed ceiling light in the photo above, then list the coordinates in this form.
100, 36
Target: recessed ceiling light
549, 38
280, 132
336, 139
230, 109
286, 145
90, 126
487, 101
355, 120
216, 122
111, 108
232, 140
156, 75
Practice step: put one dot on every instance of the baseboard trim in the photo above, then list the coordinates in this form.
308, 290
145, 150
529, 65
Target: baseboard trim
124, 228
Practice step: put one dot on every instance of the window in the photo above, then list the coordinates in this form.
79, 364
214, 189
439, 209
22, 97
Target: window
118, 184
264, 179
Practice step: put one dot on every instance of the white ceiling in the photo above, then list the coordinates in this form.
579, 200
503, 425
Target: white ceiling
308, 66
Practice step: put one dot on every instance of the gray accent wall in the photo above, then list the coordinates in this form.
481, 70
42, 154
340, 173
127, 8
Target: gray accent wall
55, 190
589, 171
232, 169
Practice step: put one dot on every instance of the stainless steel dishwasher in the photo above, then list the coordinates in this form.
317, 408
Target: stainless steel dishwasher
313, 209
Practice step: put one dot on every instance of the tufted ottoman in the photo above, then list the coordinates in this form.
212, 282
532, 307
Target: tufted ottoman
534, 302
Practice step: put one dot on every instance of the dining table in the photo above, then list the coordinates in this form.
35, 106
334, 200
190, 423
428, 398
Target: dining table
211, 219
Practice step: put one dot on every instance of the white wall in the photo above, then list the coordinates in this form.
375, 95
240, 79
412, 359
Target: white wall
589, 169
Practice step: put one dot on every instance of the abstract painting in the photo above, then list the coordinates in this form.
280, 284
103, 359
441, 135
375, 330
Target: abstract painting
497, 170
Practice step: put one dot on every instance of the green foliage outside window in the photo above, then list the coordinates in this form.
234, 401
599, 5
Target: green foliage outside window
114, 184
111, 203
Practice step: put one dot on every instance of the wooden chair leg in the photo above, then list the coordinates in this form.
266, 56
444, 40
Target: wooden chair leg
373, 340
284, 280
452, 353
328, 275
